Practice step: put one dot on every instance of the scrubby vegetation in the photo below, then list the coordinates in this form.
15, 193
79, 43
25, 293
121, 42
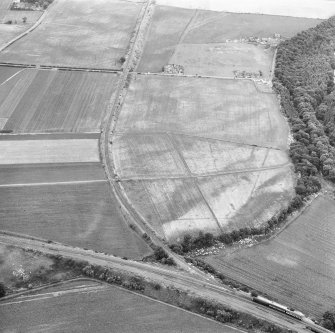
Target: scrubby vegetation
328, 320
160, 256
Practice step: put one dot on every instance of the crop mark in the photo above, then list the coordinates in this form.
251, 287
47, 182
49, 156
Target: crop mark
191, 176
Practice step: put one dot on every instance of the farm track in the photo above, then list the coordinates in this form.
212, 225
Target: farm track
187, 282
191, 175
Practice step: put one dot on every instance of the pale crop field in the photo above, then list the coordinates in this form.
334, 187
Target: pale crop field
35, 101
79, 33
16, 16
186, 36
229, 110
223, 59
300, 8
206, 157
83, 215
137, 155
200, 154
49, 151
297, 267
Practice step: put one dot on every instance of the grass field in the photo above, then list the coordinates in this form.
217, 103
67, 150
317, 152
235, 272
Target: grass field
79, 33
229, 110
83, 215
185, 36
5, 4
49, 151
16, 16
297, 267
35, 101
104, 308
300, 8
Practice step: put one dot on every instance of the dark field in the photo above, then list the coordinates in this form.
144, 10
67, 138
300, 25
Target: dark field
99, 309
50, 173
297, 268
83, 215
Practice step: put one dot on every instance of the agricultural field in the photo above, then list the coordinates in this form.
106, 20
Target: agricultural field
86, 306
16, 17
298, 8
48, 151
35, 101
80, 34
227, 110
197, 39
82, 214
200, 154
223, 59
295, 268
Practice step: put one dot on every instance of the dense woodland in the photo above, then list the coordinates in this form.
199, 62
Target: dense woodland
304, 79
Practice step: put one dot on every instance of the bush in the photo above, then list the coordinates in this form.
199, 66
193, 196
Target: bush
2, 290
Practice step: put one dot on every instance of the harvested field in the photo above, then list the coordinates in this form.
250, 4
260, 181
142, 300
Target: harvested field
229, 110
55, 101
79, 33
223, 59
201, 154
205, 157
137, 155
83, 215
50, 173
179, 31
244, 200
49, 151
297, 267
299, 8
7, 73
86, 306
5, 4
172, 207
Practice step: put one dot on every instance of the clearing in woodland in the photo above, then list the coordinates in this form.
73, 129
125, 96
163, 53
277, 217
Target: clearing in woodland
295, 268
197, 39
225, 143
79, 33
33, 101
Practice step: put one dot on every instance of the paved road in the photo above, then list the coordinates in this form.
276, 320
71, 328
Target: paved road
166, 276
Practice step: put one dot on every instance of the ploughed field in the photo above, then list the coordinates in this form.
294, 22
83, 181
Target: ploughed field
34, 101
79, 33
210, 43
85, 306
297, 267
201, 154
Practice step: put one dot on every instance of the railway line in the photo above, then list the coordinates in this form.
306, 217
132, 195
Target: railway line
189, 283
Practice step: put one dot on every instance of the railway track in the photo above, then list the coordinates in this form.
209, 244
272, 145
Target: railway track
189, 283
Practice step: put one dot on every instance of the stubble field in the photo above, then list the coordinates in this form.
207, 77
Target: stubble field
80, 34
297, 267
33, 101
197, 40
195, 154
79, 308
